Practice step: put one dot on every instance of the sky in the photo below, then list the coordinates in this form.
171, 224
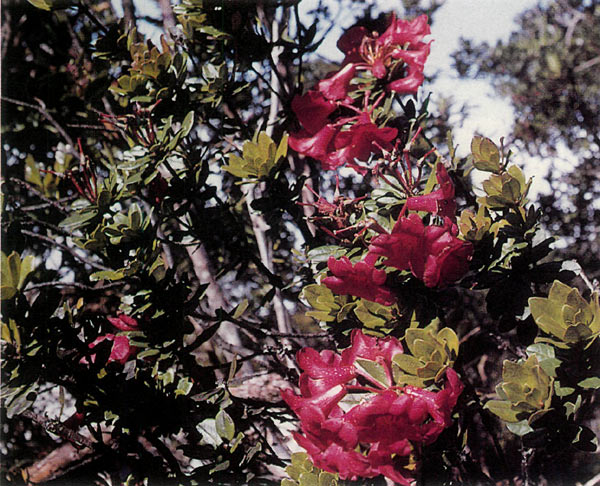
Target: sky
489, 114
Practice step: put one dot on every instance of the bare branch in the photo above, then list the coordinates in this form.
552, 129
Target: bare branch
259, 225
56, 427
52, 243
41, 108
52, 202
75, 285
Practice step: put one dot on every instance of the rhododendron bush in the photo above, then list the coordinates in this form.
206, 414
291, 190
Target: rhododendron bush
225, 262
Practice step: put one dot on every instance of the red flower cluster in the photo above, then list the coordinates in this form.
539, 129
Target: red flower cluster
377, 435
362, 280
432, 253
336, 140
327, 133
397, 54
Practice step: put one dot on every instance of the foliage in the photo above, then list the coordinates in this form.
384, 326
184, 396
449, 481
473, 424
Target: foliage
548, 71
174, 263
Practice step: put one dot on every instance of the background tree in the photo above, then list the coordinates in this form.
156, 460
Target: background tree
176, 239
549, 69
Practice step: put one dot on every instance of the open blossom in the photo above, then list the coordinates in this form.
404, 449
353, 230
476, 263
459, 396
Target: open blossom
120, 352
372, 433
338, 142
361, 280
441, 201
432, 253
397, 55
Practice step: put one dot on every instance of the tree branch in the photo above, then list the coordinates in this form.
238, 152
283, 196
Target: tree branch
41, 109
52, 242
259, 225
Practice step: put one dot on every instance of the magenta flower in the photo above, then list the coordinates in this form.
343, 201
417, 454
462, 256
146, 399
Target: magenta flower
432, 253
335, 87
397, 54
120, 352
339, 142
440, 201
358, 142
361, 280
376, 431
124, 322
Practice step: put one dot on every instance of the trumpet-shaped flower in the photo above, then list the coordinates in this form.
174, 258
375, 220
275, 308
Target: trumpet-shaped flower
440, 201
339, 142
375, 431
361, 280
432, 253
397, 55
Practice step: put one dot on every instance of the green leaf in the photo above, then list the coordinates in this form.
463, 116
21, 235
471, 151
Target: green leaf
503, 410
259, 157
107, 275
327, 479
590, 383
77, 219
373, 370
224, 425
373, 315
520, 428
52, 4
184, 386
562, 391
308, 479
571, 408
187, 124
486, 156
407, 363
240, 309
546, 357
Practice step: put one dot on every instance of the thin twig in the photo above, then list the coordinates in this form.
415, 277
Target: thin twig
95, 20
41, 108
72, 251
76, 285
56, 204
